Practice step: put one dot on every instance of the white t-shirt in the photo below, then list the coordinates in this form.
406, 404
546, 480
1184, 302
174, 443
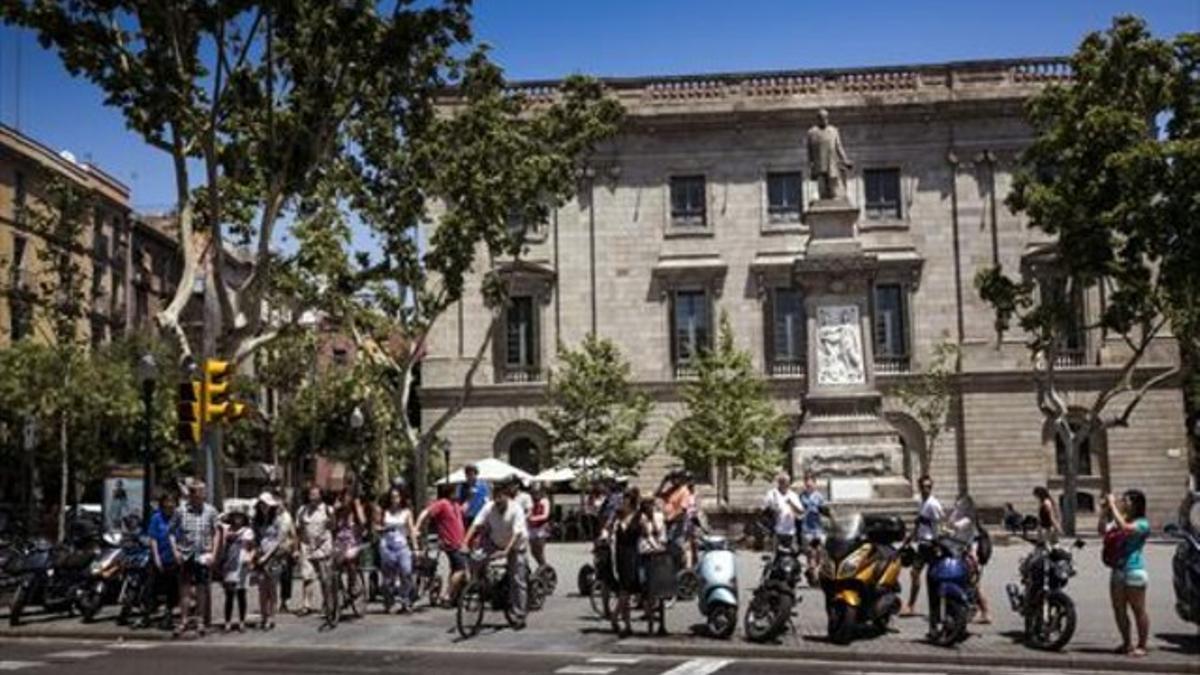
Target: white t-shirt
782, 503
502, 527
930, 517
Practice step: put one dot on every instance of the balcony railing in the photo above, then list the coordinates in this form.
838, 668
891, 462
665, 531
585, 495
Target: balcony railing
1070, 358
786, 368
517, 374
891, 363
685, 371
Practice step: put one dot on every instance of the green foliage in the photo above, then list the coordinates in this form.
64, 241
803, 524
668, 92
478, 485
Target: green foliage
1117, 192
928, 396
594, 415
731, 419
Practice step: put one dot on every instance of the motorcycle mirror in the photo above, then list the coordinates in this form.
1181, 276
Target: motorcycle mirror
1079, 543
1171, 529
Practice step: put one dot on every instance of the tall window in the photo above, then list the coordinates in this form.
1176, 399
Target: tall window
16, 269
520, 345
19, 198
1072, 336
525, 455
20, 318
787, 320
882, 187
784, 190
688, 201
891, 328
691, 329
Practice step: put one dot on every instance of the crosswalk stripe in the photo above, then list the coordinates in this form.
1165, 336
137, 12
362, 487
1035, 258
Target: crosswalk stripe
615, 660
699, 667
75, 654
19, 665
585, 670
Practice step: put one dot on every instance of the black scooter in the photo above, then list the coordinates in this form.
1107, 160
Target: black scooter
1186, 562
771, 606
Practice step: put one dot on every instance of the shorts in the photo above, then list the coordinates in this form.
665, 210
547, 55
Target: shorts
539, 533
458, 560
1130, 578
195, 573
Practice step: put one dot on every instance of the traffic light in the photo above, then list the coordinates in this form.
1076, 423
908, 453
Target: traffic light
190, 424
217, 404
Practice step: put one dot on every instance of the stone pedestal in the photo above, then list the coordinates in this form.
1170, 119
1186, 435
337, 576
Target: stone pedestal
844, 439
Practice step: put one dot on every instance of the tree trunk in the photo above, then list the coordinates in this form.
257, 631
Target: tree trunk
420, 472
1074, 442
65, 476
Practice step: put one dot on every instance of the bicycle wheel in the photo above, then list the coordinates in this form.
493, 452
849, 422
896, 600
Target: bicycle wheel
434, 589
469, 615
601, 599
536, 595
549, 578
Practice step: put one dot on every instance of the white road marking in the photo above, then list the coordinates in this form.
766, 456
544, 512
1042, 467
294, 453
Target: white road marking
74, 654
616, 660
699, 667
19, 665
584, 670
132, 645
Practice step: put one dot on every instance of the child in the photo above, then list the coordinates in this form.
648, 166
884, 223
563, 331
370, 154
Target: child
235, 565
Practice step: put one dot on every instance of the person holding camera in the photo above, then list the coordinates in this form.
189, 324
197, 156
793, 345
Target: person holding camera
1124, 526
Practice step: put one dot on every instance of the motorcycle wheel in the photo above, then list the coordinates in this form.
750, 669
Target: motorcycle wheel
766, 616
585, 580
840, 628
17, 608
687, 585
722, 621
126, 601
90, 601
955, 616
1051, 623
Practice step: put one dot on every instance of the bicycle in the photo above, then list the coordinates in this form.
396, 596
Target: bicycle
489, 585
426, 580
338, 594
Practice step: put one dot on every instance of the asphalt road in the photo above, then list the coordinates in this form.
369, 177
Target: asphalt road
129, 658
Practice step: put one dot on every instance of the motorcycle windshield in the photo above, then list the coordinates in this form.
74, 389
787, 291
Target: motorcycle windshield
962, 523
844, 532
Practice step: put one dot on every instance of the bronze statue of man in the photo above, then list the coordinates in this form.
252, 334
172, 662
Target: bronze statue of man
827, 160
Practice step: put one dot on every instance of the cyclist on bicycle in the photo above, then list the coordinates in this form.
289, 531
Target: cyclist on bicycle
350, 520
538, 523
503, 522
447, 518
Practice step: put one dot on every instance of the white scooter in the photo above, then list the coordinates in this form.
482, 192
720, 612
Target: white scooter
718, 585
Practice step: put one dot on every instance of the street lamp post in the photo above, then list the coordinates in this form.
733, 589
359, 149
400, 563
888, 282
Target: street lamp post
148, 374
446, 458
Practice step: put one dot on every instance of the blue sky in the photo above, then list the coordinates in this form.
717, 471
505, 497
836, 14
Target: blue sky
552, 38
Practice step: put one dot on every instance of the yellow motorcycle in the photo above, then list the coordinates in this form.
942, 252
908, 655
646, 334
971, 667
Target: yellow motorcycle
861, 574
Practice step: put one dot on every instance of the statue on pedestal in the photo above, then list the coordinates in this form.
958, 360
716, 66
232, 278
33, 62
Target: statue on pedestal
827, 160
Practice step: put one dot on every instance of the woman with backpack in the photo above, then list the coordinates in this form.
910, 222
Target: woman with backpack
1125, 529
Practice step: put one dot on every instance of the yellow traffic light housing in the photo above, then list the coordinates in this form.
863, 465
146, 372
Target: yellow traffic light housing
217, 405
190, 428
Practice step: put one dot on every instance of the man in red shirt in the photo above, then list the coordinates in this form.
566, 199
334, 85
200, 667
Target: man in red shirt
447, 518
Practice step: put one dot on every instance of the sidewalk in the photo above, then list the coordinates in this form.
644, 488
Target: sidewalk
567, 624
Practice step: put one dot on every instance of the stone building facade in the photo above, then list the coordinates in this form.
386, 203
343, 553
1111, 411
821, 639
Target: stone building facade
703, 205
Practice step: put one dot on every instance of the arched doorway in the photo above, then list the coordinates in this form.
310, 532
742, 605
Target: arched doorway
525, 445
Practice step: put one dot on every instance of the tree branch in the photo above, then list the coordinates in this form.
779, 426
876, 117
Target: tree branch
468, 382
1122, 420
168, 319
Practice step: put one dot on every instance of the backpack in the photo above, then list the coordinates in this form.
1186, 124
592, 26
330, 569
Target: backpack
1114, 544
983, 546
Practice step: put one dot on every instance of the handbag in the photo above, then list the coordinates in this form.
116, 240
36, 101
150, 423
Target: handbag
1113, 552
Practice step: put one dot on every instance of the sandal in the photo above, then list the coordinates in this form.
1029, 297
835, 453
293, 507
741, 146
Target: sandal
1137, 652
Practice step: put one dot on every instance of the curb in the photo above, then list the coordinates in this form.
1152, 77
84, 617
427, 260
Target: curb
97, 635
949, 658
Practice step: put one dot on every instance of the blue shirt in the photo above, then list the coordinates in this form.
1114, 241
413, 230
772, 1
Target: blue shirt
812, 503
160, 531
473, 503
1134, 542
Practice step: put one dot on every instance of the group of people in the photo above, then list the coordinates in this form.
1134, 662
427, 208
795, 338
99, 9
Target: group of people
1122, 524
193, 546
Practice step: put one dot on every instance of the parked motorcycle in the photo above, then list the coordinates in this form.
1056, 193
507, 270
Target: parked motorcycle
52, 577
717, 573
860, 575
104, 577
951, 577
138, 595
1186, 562
1041, 597
771, 606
